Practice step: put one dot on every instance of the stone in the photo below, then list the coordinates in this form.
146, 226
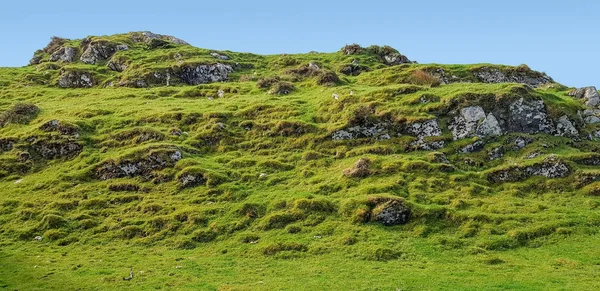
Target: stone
466, 124
204, 74
61, 127
521, 142
489, 126
142, 166
64, 54
147, 37
529, 117
219, 56
59, 148
76, 79
359, 170
589, 95
551, 167
100, 50
391, 213
395, 59
191, 180
564, 127
496, 153
369, 130
313, 66
425, 129
117, 65
474, 147
526, 77
6, 144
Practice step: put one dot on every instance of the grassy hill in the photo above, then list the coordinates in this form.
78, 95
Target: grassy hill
352, 170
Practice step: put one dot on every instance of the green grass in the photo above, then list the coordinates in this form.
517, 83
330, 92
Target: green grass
274, 210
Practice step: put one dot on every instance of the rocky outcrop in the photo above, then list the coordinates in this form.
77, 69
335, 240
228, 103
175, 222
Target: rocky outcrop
203, 74
117, 64
56, 148
473, 121
551, 167
64, 54
391, 213
372, 130
96, 51
6, 144
219, 56
422, 130
393, 59
147, 37
189, 180
76, 79
589, 95
61, 127
564, 127
515, 75
473, 147
142, 166
529, 117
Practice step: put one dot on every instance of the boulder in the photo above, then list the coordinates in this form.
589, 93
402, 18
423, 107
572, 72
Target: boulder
527, 77
370, 130
64, 54
391, 213
425, 129
473, 147
529, 117
203, 74
564, 127
117, 65
496, 153
101, 50
142, 166
589, 95
76, 79
147, 37
393, 59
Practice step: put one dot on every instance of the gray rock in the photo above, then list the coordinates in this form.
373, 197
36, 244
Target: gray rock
191, 180
494, 75
521, 142
474, 122
375, 130
57, 148
203, 74
76, 79
147, 37
496, 153
140, 166
395, 59
392, 213
425, 129
589, 95
313, 66
564, 127
117, 65
100, 50
474, 147
529, 117
219, 56
551, 167
64, 54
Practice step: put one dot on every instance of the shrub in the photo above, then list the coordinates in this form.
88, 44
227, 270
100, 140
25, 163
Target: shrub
381, 50
267, 82
282, 88
352, 49
21, 113
327, 78
420, 77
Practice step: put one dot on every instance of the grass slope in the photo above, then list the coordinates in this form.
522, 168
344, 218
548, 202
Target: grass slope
273, 209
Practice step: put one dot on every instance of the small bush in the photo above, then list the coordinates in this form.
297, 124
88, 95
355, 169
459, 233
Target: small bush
280, 247
21, 113
54, 44
267, 82
422, 78
327, 78
352, 49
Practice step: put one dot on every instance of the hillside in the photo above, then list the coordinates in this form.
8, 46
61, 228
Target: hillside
357, 169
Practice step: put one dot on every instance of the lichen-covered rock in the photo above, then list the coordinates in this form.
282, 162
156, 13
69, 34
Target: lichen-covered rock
551, 167
147, 37
64, 54
373, 130
496, 153
395, 59
473, 121
473, 147
188, 180
61, 127
143, 166
527, 77
590, 116
76, 79
529, 117
564, 127
391, 213
203, 74
96, 51
57, 148
6, 144
521, 142
219, 56
425, 129
589, 95
117, 64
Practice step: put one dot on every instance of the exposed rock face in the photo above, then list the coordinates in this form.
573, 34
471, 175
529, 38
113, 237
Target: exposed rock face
529, 117
64, 54
147, 37
425, 129
57, 148
76, 79
474, 147
564, 127
391, 213
117, 65
589, 95
473, 121
101, 50
494, 75
352, 70
551, 167
395, 59
139, 167
374, 130
591, 116
6, 144
203, 74
191, 180
219, 56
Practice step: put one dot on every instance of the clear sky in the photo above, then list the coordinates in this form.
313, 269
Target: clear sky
559, 37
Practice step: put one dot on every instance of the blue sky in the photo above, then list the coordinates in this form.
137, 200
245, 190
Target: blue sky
558, 37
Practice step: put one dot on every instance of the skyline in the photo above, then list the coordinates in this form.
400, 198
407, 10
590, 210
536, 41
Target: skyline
556, 37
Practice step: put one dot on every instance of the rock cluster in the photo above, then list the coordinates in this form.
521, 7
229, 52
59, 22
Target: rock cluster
76, 79
97, 51
551, 167
203, 74
495, 75
142, 166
